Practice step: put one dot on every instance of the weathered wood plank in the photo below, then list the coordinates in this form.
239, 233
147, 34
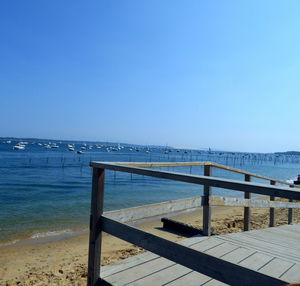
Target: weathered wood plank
276, 238
162, 277
155, 211
295, 228
206, 204
240, 202
292, 275
132, 274
163, 164
144, 257
238, 255
206, 245
214, 282
272, 210
189, 164
247, 211
191, 279
276, 267
288, 235
249, 173
95, 233
211, 246
127, 263
256, 260
211, 266
205, 180
222, 249
290, 213
264, 246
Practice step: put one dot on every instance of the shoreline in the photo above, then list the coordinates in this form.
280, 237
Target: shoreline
44, 238
67, 233
64, 261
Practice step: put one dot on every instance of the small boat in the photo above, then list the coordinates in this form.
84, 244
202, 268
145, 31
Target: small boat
297, 182
71, 149
79, 152
19, 147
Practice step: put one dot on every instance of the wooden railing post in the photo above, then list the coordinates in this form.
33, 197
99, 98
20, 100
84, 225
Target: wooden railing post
95, 227
247, 211
206, 204
290, 211
272, 210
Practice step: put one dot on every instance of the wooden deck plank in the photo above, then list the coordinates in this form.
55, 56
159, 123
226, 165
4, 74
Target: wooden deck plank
276, 267
238, 255
292, 274
234, 254
206, 245
214, 282
291, 227
285, 234
276, 238
162, 277
264, 246
222, 249
256, 252
132, 274
144, 257
111, 272
191, 279
280, 232
256, 260
127, 263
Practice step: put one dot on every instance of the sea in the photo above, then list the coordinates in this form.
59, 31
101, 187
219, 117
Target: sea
45, 185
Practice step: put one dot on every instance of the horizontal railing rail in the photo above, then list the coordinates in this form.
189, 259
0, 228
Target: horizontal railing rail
235, 185
207, 163
114, 222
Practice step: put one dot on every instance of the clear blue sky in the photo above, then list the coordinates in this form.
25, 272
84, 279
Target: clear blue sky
219, 74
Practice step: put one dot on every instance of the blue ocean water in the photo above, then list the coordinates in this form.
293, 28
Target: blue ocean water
47, 191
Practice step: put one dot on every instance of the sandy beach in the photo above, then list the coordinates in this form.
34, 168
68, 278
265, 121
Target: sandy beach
64, 262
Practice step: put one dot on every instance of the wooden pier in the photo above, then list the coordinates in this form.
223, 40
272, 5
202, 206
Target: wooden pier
255, 257
274, 252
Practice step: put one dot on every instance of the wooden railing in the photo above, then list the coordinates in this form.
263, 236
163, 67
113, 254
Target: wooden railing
218, 269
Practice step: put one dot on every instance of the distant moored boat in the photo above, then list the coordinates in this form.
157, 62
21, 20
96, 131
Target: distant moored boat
19, 147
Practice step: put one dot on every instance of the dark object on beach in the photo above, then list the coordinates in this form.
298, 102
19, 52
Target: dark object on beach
298, 181
180, 227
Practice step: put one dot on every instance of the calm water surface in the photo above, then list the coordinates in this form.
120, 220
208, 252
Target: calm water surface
47, 191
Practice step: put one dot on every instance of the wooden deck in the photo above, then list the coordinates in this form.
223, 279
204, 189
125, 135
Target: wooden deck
273, 251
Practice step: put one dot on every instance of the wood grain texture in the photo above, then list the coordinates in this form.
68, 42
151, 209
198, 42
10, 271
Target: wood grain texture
95, 233
206, 264
205, 180
272, 210
206, 204
240, 202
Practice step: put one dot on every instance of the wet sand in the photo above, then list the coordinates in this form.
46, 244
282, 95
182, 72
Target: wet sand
64, 262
